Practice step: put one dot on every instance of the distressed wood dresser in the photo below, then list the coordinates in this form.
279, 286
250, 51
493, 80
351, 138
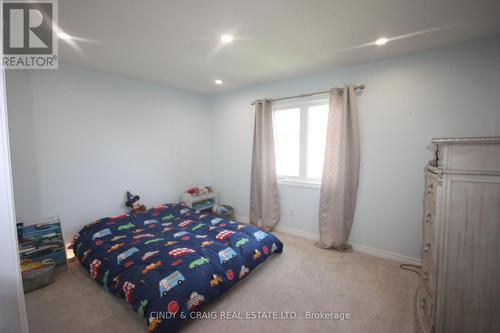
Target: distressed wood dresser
460, 279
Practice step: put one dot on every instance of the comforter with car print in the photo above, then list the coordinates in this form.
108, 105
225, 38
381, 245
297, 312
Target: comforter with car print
171, 260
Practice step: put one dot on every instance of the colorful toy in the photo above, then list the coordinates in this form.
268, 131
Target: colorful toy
244, 271
177, 262
126, 226
86, 254
167, 217
143, 236
105, 280
95, 268
185, 223
256, 254
152, 221
241, 242
180, 234
128, 290
151, 266
259, 235
194, 300
116, 247
173, 307
151, 241
226, 255
198, 262
134, 203
216, 220
101, 233
224, 234
140, 309
206, 243
216, 280
198, 226
149, 254
174, 279
196, 190
180, 251
124, 255
153, 324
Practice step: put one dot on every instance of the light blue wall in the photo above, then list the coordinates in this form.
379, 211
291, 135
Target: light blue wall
80, 139
450, 91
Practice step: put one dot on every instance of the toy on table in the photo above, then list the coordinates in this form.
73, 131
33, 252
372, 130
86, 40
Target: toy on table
196, 190
133, 202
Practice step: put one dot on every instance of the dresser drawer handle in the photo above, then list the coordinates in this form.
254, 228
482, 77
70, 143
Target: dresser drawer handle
429, 189
427, 247
428, 218
425, 276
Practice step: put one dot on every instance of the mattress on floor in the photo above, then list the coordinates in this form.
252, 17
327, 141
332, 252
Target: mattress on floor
171, 260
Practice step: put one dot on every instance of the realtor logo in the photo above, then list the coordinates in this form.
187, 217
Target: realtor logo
29, 40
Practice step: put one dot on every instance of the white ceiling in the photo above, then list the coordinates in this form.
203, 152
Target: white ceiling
176, 43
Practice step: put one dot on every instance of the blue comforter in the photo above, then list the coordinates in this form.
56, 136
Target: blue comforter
170, 261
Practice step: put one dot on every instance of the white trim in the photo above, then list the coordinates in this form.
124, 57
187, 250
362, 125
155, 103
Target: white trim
298, 233
356, 247
7, 215
299, 182
386, 254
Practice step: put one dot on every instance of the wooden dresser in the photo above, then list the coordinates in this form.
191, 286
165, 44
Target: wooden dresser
460, 280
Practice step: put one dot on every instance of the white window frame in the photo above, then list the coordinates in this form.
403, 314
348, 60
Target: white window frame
303, 104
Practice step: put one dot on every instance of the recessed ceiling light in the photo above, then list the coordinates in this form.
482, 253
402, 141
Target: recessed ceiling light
381, 41
63, 35
226, 38
218, 82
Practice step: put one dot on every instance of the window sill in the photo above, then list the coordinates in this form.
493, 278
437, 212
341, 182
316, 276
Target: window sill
299, 183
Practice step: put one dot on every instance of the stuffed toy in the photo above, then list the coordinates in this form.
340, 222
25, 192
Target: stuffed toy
133, 202
196, 190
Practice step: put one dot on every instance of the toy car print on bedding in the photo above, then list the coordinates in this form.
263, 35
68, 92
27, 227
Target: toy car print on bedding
170, 260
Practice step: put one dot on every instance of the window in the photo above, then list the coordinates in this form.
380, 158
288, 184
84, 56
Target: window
300, 139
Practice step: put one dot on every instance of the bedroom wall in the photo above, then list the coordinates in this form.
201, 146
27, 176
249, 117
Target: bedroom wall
498, 109
449, 91
80, 139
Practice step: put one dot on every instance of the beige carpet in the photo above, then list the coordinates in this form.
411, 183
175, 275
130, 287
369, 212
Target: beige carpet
377, 294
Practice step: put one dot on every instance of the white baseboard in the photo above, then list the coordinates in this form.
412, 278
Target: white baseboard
356, 247
386, 254
298, 233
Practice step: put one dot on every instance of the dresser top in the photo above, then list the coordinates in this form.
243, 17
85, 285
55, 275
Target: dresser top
469, 140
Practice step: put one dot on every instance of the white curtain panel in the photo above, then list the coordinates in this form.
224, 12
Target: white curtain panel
264, 200
339, 183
